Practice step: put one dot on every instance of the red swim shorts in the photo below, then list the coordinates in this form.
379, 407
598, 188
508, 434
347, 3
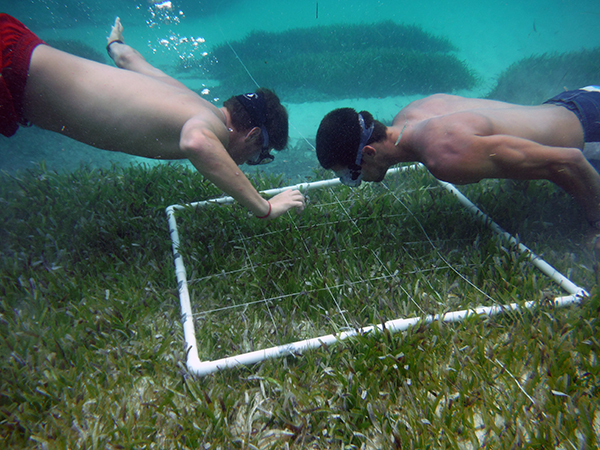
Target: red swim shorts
16, 46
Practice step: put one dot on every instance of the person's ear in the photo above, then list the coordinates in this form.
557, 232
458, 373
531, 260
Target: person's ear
369, 151
253, 134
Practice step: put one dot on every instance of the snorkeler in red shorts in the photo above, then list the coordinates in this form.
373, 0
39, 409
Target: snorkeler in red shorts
17, 44
136, 108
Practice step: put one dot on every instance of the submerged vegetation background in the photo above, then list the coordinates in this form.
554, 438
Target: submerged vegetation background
533, 80
337, 61
93, 355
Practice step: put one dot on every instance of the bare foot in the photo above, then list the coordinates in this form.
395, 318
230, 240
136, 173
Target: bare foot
115, 41
116, 32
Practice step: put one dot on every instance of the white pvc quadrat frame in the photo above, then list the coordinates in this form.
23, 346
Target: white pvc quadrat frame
201, 368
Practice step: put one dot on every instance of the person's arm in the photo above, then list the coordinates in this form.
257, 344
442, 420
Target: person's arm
470, 158
566, 167
207, 154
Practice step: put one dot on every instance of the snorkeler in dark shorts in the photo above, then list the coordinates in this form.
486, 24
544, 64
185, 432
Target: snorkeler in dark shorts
16, 46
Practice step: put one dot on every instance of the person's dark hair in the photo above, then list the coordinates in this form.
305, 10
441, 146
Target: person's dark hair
277, 118
338, 136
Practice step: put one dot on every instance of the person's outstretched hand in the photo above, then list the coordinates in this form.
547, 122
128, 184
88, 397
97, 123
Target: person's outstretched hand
282, 203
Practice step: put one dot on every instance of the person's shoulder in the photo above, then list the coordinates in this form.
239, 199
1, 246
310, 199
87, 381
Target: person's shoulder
207, 118
423, 109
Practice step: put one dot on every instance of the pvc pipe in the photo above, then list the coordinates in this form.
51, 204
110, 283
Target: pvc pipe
270, 192
546, 268
187, 318
225, 200
193, 360
208, 367
202, 368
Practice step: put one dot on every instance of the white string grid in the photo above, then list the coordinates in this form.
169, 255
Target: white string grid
354, 260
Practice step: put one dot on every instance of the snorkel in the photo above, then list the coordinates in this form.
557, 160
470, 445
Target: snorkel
352, 175
255, 105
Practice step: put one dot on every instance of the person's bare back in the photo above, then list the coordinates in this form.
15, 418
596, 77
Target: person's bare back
545, 124
111, 108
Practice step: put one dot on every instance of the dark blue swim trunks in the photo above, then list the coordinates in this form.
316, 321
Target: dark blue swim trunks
585, 104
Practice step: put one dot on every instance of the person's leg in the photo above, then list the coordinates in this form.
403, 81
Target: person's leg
128, 58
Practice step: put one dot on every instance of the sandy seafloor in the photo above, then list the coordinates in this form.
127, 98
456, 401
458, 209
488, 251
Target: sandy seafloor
490, 37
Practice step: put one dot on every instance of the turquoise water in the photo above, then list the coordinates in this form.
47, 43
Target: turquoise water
488, 37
